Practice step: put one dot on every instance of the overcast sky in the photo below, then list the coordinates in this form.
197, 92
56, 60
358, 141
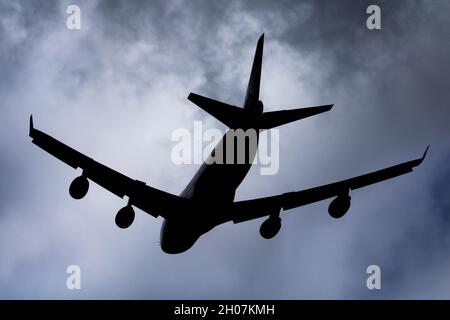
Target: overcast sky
116, 89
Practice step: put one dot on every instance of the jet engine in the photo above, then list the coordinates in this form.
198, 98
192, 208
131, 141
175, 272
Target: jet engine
270, 227
79, 187
125, 217
339, 206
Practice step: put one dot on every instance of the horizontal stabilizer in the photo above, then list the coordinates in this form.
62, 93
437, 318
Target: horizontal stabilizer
228, 114
277, 118
235, 117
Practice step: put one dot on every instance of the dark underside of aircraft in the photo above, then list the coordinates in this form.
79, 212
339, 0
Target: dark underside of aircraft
208, 199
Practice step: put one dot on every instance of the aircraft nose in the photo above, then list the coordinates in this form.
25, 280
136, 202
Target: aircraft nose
175, 239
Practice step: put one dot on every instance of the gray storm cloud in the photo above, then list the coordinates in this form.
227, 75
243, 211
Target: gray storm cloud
117, 88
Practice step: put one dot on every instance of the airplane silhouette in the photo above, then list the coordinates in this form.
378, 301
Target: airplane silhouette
208, 199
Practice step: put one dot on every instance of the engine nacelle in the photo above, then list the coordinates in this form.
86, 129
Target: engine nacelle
270, 227
79, 187
125, 217
339, 206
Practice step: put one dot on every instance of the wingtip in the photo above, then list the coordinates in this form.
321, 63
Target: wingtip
425, 153
420, 160
31, 125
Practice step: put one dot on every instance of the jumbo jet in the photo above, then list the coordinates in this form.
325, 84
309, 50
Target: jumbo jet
208, 200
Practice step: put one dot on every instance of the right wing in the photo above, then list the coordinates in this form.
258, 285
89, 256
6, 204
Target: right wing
153, 201
241, 211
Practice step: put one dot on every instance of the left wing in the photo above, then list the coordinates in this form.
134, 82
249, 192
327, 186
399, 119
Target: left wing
153, 201
241, 211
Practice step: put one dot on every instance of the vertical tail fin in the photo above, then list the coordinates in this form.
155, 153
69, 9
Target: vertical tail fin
235, 117
252, 95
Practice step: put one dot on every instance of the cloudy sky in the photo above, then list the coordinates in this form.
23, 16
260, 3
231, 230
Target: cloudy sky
116, 89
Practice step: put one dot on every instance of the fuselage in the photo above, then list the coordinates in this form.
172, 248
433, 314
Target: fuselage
213, 187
